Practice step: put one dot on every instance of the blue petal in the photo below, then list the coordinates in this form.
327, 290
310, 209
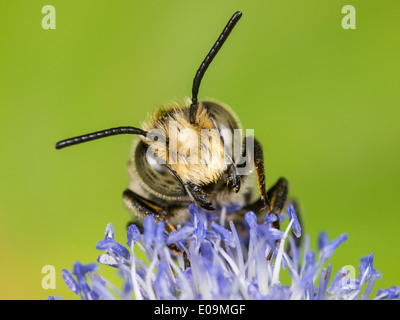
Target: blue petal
269, 218
108, 260
105, 244
127, 289
90, 267
342, 285
160, 233
225, 234
252, 290
109, 232
296, 225
323, 240
207, 252
270, 234
133, 234
100, 291
111, 244
70, 282
233, 207
323, 282
307, 277
54, 298
194, 212
162, 285
279, 292
224, 283
199, 232
183, 234
149, 231
391, 293
330, 248
310, 258
294, 250
282, 217
79, 270
251, 219
366, 265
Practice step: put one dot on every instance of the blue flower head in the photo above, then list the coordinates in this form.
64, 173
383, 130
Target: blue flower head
217, 261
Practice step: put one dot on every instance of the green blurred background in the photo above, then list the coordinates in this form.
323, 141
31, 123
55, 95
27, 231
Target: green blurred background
324, 102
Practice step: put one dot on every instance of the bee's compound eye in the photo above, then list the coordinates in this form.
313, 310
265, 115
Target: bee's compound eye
155, 163
154, 175
223, 116
226, 134
228, 125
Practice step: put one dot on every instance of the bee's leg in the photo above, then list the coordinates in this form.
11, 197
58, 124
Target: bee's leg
259, 165
144, 208
273, 200
199, 196
277, 196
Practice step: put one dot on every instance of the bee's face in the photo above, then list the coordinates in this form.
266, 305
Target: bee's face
183, 153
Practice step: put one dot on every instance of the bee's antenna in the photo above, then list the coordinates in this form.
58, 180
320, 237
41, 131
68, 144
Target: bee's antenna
99, 135
207, 61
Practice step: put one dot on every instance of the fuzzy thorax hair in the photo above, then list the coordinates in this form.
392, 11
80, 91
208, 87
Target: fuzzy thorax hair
194, 151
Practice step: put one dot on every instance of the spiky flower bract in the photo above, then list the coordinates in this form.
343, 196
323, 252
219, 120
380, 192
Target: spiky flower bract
225, 263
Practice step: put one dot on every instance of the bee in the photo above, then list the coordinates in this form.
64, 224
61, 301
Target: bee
163, 182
